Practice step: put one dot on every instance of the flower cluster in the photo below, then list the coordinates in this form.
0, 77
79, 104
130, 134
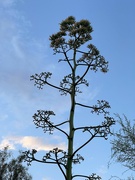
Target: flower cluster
42, 119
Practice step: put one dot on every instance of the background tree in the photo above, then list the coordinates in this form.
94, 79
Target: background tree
123, 145
12, 168
69, 42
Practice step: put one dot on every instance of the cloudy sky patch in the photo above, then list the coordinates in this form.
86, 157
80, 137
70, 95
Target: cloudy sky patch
30, 142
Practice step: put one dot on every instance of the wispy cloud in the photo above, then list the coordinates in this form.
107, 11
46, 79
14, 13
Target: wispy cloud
90, 94
30, 142
20, 56
102, 171
7, 3
45, 178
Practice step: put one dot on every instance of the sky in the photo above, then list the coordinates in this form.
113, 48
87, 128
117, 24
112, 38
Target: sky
25, 27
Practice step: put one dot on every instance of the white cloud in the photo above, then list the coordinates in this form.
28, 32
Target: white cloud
3, 117
29, 142
16, 46
90, 94
46, 178
102, 171
7, 3
5, 143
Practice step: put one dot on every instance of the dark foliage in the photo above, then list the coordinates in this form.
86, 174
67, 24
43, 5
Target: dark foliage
12, 168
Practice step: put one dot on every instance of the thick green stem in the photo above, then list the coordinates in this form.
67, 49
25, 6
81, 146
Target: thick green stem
70, 140
71, 122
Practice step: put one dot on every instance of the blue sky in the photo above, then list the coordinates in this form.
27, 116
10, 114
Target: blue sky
25, 27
